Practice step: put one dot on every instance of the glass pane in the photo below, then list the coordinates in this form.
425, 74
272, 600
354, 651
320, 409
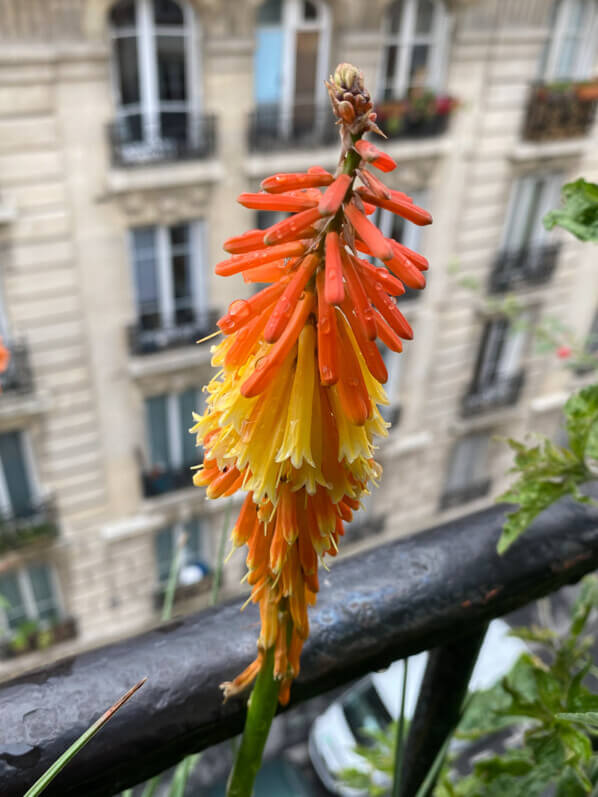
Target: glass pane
392, 54
174, 126
179, 234
128, 75
122, 15
11, 592
167, 12
130, 128
565, 67
532, 220
43, 592
310, 11
268, 65
187, 406
194, 547
395, 14
146, 277
266, 218
170, 54
270, 13
305, 74
418, 71
157, 428
366, 714
425, 16
16, 476
575, 17
164, 546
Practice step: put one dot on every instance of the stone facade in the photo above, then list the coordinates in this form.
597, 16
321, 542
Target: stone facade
66, 209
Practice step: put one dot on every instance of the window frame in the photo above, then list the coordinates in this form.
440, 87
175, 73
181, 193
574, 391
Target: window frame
176, 530
197, 246
463, 465
586, 35
174, 428
29, 466
28, 598
510, 347
405, 40
514, 237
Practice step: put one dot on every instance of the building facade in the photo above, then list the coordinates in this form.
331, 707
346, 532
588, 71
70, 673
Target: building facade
126, 131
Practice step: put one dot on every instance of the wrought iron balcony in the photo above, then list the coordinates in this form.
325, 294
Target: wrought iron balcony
142, 144
452, 582
306, 126
150, 337
530, 265
36, 522
18, 377
501, 392
557, 111
165, 479
37, 636
426, 116
461, 495
184, 592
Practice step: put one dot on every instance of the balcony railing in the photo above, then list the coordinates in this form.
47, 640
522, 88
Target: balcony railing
184, 592
461, 495
18, 377
532, 265
502, 392
37, 636
142, 145
38, 521
411, 117
143, 340
306, 126
558, 111
161, 479
434, 590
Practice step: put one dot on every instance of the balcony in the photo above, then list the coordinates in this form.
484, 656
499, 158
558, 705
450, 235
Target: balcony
461, 495
560, 110
34, 523
502, 392
305, 127
185, 592
33, 635
18, 377
420, 115
528, 265
166, 479
194, 138
152, 336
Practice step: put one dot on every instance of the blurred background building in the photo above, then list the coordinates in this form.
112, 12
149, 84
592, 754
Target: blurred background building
126, 131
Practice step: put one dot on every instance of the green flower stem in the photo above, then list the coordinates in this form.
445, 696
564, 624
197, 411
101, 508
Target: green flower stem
260, 713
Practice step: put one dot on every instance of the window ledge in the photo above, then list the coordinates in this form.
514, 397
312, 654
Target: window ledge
567, 148
164, 175
549, 403
488, 418
169, 360
17, 406
407, 444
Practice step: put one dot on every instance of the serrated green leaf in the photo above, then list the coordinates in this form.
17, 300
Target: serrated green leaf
588, 719
581, 411
579, 215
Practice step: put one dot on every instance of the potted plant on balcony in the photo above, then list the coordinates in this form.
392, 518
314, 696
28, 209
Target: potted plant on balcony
422, 112
587, 91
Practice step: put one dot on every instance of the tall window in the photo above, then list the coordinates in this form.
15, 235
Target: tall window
152, 50
31, 594
168, 418
291, 59
500, 358
194, 555
531, 198
394, 364
415, 34
18, 494
467, 476
570, 50
170, 285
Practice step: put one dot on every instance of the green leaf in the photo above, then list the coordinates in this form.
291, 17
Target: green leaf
581, 412
586, 600
589, 719
580, 212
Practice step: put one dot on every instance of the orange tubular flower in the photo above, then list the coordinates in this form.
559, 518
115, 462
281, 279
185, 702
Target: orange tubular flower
293, 411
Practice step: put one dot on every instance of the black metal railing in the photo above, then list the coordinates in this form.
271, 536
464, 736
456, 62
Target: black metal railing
184, 592
148, 339
461, 495
164, 479
32, 523
501, 392
434, 589
304, 127
558, 111
18, 377
37, 636
532, 265
142, 144
403, 118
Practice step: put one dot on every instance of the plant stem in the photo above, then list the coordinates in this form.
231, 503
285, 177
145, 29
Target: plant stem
260, 713
400, 743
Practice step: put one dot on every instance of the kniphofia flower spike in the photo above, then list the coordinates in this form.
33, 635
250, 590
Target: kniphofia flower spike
293, 410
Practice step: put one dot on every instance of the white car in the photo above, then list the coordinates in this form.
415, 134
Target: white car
373, 702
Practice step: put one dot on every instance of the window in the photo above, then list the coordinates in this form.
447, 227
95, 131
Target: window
467, 476
169, 274
571, 47
393, 361
498, 375
31, 594
18, 493
291, 60
532, 196
168, 418
191, 539
151, 46
415, 34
